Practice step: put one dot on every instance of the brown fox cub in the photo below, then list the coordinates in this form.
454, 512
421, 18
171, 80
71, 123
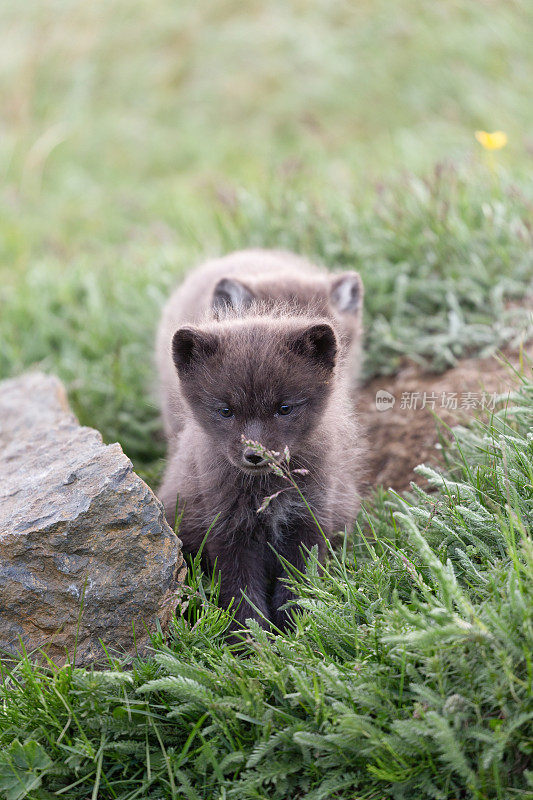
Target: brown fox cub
261, 346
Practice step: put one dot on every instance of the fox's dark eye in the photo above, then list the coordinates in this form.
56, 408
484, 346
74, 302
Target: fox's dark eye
225, 412
284, 409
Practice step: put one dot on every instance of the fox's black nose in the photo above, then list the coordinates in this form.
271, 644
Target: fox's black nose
252, 459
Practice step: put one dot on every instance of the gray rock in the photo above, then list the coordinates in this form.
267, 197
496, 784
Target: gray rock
85, 552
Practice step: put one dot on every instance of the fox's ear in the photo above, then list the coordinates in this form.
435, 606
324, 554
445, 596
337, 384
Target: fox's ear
231, 294
190, 346
317, 343
346, 292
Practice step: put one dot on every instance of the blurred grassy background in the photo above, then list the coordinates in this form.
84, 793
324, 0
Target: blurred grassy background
139, 135
121, 115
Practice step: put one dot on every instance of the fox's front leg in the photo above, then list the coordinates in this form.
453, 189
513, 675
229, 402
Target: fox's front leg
293, 549
242, 567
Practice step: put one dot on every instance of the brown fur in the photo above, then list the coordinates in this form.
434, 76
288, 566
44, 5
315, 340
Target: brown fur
268, 329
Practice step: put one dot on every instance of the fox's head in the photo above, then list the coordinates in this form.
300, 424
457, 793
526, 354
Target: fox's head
263, 379
336, 295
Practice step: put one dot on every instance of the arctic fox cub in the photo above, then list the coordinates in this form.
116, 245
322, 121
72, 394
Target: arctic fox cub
261, 346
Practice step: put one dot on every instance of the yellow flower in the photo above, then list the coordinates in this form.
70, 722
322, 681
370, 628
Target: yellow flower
492, 141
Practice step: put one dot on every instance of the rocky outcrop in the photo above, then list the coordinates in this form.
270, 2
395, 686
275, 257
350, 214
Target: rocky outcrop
85, 552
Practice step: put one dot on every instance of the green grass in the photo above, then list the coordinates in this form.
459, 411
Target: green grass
139, 137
